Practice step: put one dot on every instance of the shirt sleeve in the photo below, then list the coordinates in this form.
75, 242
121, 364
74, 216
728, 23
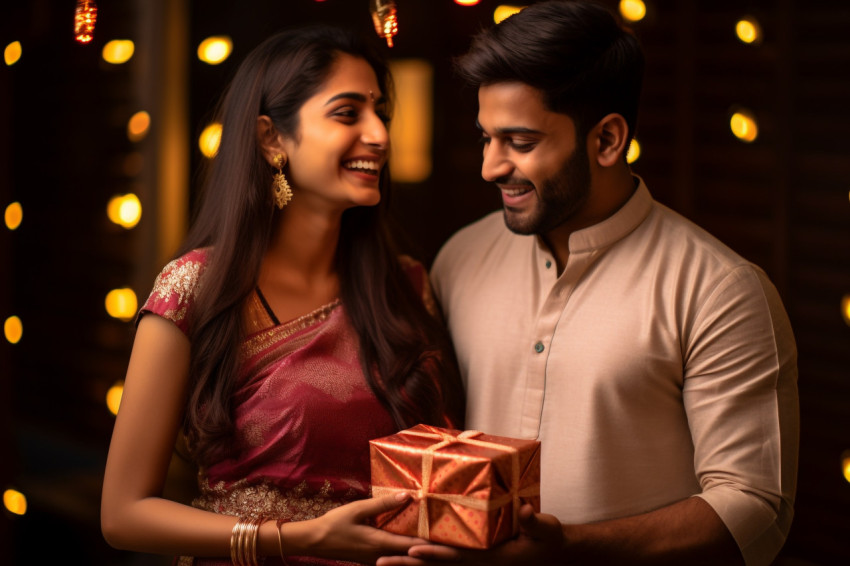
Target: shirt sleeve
741, 399
175, 289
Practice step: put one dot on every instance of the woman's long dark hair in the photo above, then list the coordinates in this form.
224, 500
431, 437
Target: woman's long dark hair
405, 352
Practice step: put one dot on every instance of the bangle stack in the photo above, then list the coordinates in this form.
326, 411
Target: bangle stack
280, 541
243, 541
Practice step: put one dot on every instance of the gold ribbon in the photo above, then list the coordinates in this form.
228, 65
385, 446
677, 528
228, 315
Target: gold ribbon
465, 437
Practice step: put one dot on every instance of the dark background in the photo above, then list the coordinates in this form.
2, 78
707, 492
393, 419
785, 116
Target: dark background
781, 201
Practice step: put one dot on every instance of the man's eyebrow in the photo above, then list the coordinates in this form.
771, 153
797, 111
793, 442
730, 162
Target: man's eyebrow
512, 130
360, 97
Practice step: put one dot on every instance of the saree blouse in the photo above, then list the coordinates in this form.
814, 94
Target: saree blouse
303, 411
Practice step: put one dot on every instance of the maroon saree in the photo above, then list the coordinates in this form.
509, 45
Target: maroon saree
304, 413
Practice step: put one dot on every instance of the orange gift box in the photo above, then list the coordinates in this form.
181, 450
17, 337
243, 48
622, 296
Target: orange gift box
466, 486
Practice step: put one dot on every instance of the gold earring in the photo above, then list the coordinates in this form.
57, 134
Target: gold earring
282, 192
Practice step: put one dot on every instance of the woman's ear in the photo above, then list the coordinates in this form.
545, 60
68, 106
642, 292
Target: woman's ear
610, 136
268, 139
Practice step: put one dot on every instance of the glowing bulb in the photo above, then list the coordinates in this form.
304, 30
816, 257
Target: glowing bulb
845, 308
84, 20
845, 464
744, 126
118, 51
504, 12
466, 2
15, 502
12, 53
13, 328
210, 139
215, 49
385, 18
137, 127
113, 397
634, 151
121, 303
633, 10
748, 30
14, 215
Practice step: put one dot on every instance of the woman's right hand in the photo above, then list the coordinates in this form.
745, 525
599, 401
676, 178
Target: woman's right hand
344, 533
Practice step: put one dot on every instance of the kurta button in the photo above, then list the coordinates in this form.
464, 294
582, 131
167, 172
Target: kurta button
548, 264
538, 347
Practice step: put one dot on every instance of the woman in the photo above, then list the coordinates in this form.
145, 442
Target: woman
287, 333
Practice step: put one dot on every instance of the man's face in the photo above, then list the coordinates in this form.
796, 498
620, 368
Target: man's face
533, 156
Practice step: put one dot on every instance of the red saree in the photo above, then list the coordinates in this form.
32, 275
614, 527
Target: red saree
304, 413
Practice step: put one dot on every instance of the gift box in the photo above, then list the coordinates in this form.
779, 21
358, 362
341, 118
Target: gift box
466, 486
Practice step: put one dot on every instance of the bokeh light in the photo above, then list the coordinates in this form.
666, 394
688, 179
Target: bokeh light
744, 126
14, 215
121, 303
215, 49
633, 152
13, 329
113, 397
632, 10
503, 12
124, 210
209, 140
118, 51
748, 30
15, 502
12, 53
138, 126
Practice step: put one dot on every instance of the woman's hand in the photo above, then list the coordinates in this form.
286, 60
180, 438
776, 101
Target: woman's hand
344, 533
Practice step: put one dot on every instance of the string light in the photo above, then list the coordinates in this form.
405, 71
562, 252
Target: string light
15, 502
138, 125
743, 125
124, 210
118, 51
121, 303
748, 30
84, 20
13, 328
113, 397
385, 18
467, 2
14, 215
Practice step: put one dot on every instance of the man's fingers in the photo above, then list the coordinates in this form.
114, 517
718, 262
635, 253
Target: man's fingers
400, 561
377, 505
436, 552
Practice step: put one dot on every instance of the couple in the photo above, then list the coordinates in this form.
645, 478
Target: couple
657, 367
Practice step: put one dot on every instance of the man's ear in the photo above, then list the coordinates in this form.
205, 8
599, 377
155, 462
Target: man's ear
268, 139
609, 138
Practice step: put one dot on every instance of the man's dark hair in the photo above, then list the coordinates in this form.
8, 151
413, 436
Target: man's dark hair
575, 52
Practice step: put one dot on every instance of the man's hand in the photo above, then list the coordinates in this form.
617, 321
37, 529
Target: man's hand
540, 541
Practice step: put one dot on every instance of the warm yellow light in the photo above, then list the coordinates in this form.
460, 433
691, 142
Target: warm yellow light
744, 126
13, 328
845, 308
15, 502
12, 53
632, 10
748, 30
209, 140
504, 12
121, 303
113, 397
845, 464
14, 215
137, 127
467, 2
215, 49
634, 151
118, 51
411, 130
124, 210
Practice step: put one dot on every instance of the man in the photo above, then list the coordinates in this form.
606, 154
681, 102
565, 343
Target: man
655, 365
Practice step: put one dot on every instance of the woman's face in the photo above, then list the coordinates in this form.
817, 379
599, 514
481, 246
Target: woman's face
335, 158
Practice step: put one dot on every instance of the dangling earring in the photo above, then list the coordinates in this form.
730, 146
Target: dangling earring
282, 192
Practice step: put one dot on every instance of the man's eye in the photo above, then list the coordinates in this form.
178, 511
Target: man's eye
522, 146
484, 140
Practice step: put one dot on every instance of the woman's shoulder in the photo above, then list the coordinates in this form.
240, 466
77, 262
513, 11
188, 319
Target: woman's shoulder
176, 287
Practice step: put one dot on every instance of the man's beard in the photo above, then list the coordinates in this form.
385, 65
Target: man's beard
559, 197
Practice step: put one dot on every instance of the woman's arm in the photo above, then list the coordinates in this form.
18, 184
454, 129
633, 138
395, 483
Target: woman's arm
135, 516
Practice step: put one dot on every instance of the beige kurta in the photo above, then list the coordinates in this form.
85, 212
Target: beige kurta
659, 365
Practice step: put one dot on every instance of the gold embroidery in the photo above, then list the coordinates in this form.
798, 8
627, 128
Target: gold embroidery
181, 280
263, 340
250, 501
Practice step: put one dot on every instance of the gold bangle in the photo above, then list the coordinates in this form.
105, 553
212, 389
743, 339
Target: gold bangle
237, 537
279, 524
233, 537
255, 531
